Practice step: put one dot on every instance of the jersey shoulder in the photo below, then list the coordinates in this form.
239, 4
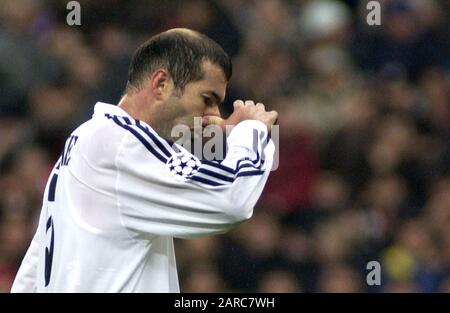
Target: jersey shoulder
97, 141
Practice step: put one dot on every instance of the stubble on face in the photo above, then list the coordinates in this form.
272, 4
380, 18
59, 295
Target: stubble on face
182, 106
169, 116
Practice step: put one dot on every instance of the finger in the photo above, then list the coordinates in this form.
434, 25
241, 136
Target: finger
213, 120
249, 102
238, 103
273, 116
260, 105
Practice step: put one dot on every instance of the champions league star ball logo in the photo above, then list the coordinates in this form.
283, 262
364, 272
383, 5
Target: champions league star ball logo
183, 165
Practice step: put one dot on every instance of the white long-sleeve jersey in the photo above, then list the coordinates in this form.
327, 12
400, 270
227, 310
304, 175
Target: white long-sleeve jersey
120, 193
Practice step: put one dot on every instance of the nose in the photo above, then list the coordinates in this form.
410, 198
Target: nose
212, 111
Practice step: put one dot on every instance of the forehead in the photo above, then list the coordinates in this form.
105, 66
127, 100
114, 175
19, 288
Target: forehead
213, 73
213, 79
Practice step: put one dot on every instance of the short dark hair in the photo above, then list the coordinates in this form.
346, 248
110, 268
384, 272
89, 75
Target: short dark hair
181, 53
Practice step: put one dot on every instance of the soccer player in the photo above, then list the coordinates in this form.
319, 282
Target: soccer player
122, 190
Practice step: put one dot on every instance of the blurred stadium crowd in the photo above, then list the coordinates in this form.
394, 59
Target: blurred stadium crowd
364, 132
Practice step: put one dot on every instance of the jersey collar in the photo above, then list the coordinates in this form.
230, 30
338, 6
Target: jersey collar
101, 108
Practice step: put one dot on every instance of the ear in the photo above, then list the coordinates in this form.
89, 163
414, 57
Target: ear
160, 83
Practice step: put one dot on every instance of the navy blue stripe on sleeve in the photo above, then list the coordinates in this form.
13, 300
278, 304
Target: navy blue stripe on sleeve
245, 163
206, 181
140, 138
153, 138
127, 120
215, 175
249, 173
219, 166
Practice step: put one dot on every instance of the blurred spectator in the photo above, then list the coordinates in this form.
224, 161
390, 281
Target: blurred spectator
203, 278
279, 281
339, 278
